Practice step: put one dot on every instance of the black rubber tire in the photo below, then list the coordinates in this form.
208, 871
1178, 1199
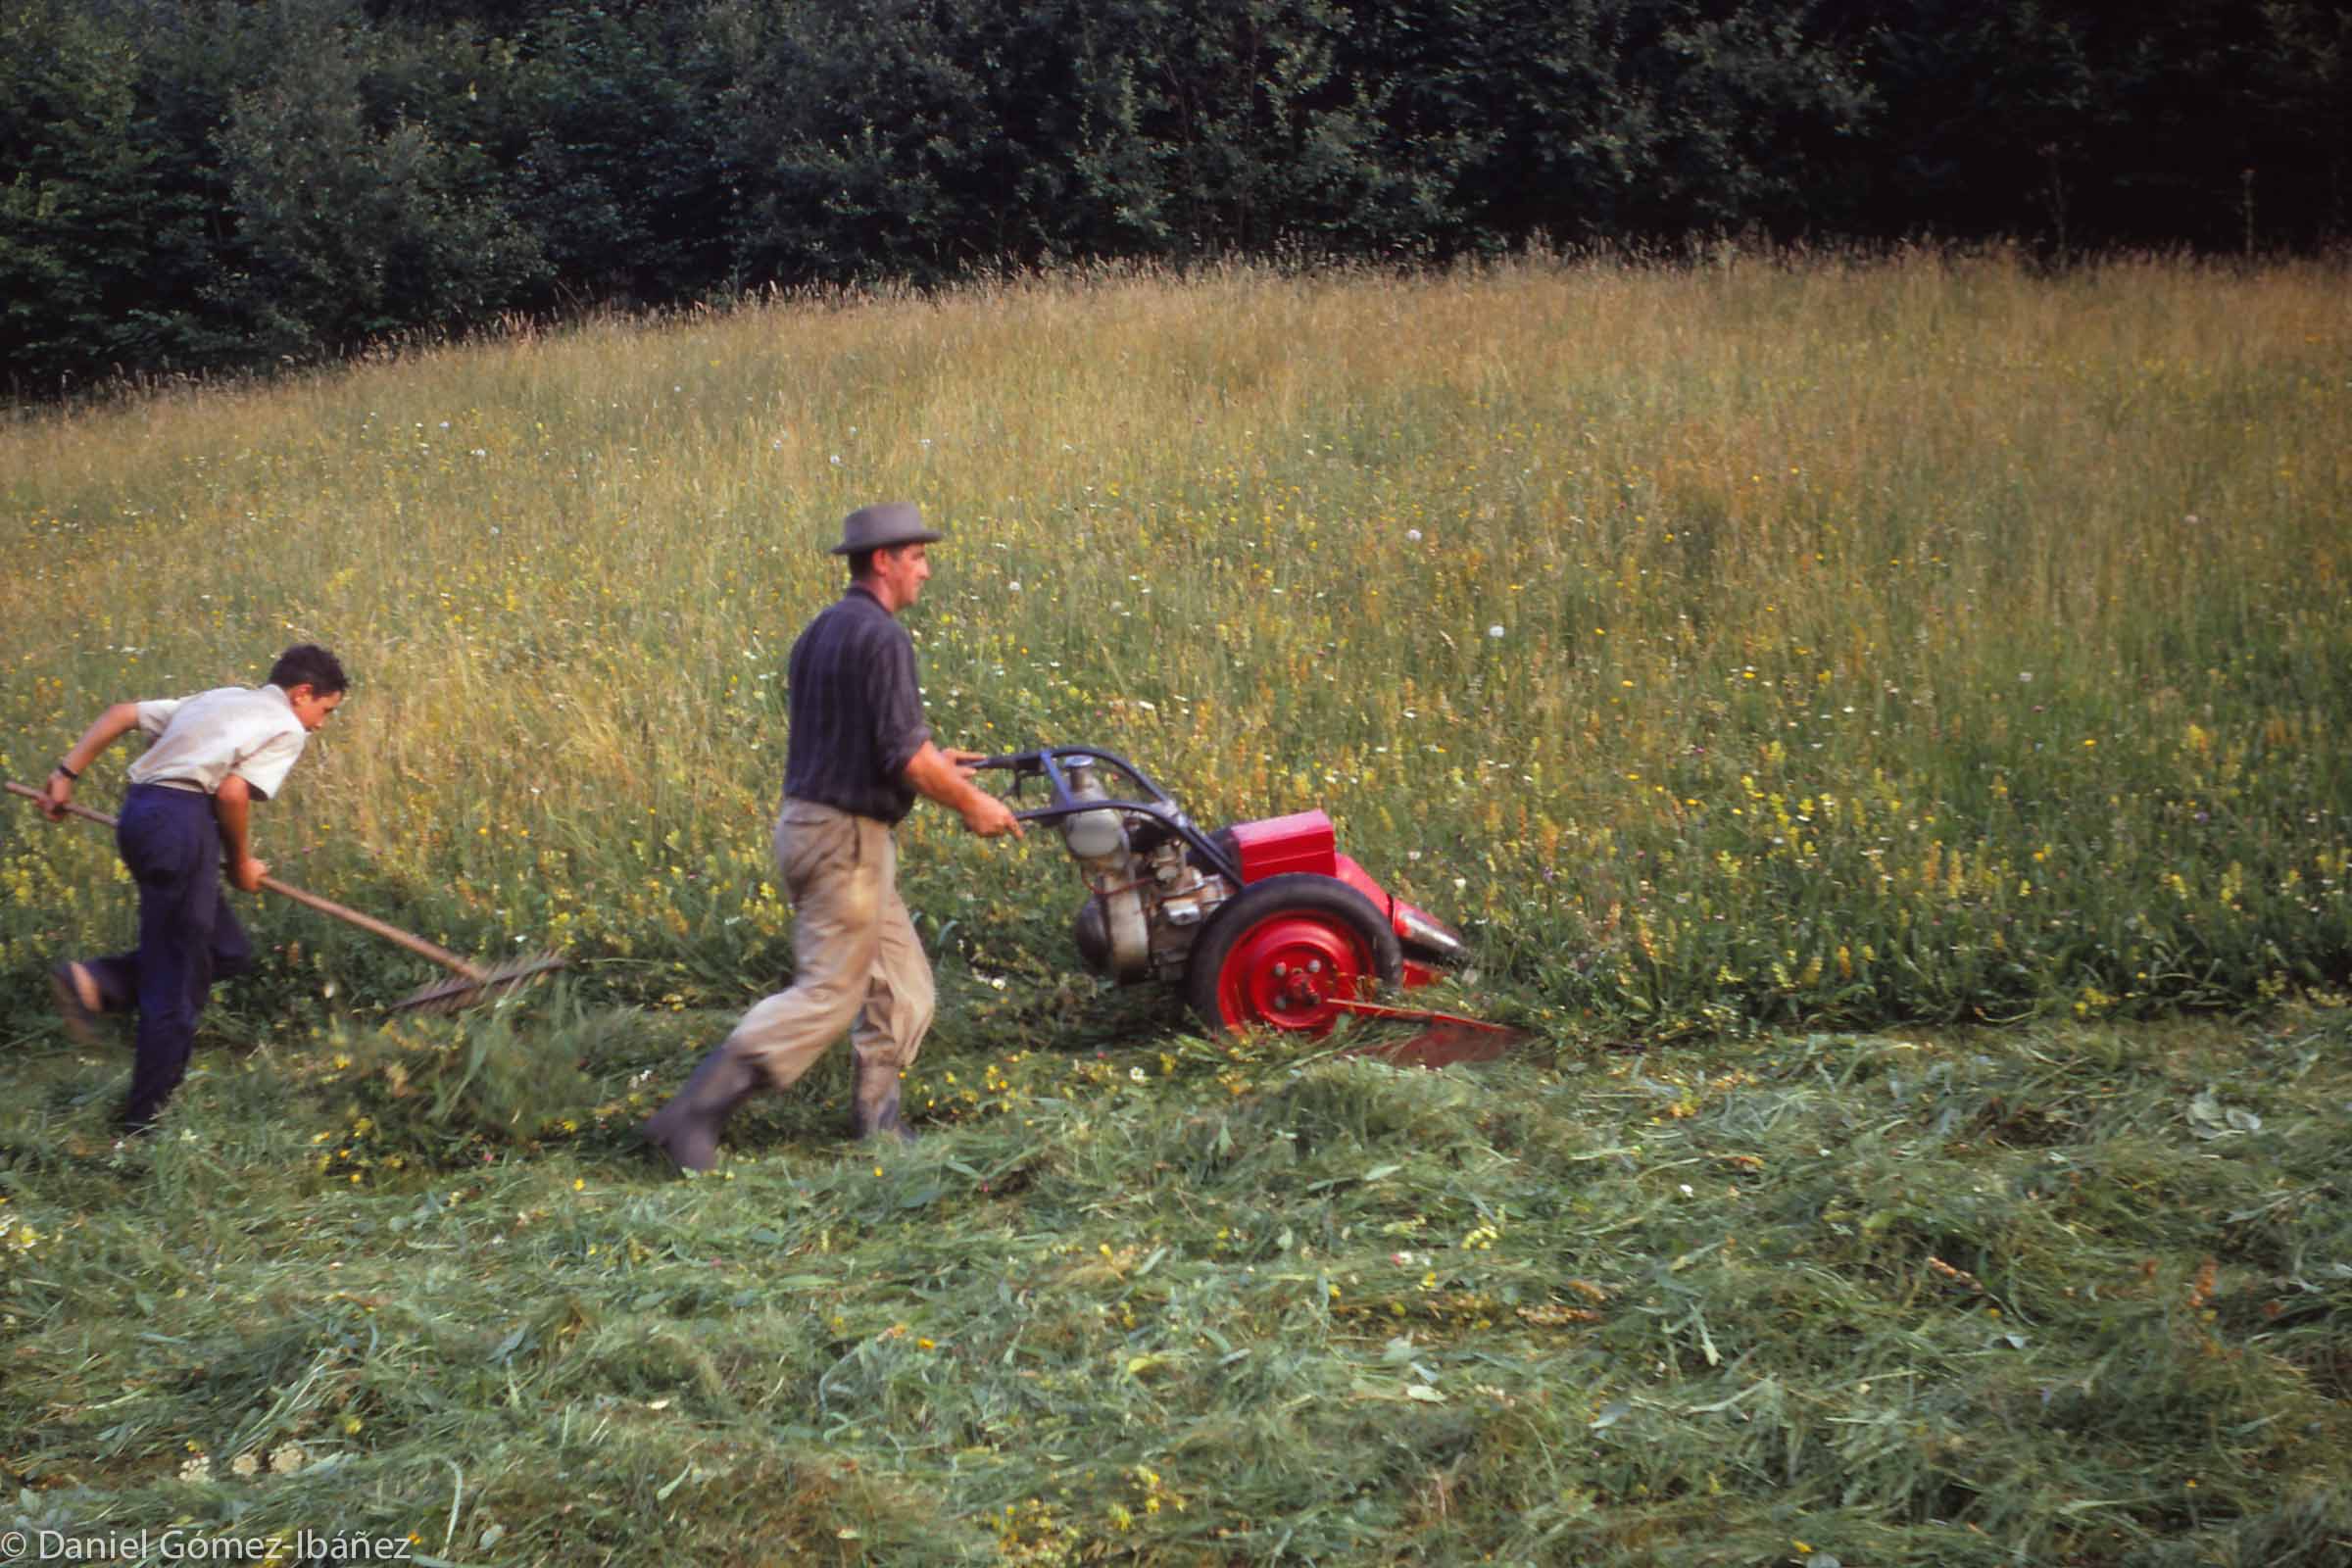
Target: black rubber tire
1255, 919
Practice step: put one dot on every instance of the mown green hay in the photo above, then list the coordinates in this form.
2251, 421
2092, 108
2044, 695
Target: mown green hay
2060, 1296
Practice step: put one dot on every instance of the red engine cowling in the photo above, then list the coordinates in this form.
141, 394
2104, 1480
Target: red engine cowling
1305, 841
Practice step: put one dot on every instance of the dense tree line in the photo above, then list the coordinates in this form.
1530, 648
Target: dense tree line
197, 184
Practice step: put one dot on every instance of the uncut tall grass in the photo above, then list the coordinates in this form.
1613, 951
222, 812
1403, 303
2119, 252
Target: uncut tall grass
1817, 641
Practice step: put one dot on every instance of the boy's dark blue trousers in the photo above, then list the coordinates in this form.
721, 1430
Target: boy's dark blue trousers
188, 937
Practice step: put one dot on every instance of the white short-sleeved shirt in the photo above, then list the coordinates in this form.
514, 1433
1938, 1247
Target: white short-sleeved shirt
250, 731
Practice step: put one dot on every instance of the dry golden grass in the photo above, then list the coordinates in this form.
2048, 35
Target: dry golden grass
1528, 574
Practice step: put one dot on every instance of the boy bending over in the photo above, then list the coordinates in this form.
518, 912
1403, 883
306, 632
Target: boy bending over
184, 823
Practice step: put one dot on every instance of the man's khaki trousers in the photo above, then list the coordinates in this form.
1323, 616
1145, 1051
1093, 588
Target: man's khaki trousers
857, 963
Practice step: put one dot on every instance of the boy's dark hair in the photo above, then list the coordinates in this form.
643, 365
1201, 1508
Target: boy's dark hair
309, 665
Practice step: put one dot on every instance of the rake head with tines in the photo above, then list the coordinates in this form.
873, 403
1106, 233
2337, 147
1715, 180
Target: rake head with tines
483, 985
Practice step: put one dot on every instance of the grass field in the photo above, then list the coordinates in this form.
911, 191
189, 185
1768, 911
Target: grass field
1880, 724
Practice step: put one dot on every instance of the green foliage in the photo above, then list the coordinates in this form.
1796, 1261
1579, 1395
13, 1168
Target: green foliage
197, 184
919, 140
81, 200
924, 140
871, 140
1270, 137
607, 129
2091, 126
1613, 119
351, 225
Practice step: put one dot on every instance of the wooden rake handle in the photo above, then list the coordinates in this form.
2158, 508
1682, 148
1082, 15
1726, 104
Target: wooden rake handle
366, 922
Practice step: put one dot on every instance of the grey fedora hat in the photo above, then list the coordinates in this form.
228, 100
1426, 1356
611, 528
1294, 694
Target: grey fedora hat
882, 525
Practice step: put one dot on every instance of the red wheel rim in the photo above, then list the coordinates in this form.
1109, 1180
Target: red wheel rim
1283, 972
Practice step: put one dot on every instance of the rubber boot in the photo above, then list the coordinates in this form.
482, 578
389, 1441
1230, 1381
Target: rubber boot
878, 1106
687, 1129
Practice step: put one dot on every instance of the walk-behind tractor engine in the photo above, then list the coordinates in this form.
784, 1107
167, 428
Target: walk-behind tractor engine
1263, 923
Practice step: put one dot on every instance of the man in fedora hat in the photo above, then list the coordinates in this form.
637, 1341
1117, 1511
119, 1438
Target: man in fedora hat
858, 755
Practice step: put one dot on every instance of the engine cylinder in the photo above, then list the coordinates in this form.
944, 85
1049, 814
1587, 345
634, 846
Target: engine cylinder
1112, 930
1090, 835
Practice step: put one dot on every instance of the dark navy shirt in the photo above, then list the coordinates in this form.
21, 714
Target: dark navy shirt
857, 711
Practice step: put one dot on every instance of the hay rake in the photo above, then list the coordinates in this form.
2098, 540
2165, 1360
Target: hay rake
473, 983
